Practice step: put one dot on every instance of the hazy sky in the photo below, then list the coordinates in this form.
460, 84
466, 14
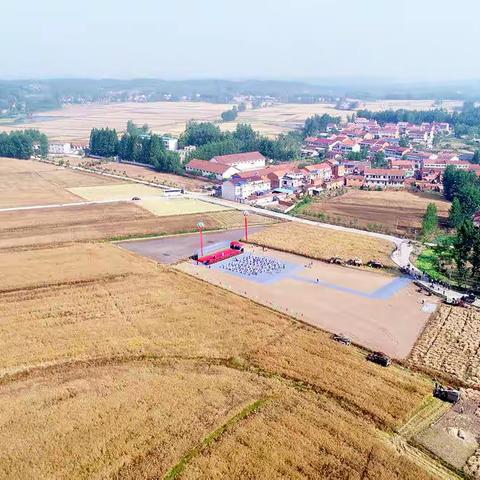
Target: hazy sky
403, 39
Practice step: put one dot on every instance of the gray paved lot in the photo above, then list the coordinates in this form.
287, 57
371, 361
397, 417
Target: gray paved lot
170, 250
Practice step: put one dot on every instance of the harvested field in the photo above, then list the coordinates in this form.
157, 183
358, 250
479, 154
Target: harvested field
387, 211
122, 191
25, 182
73, 123
451, 344
323, 243
148, 175
179, 206
36, 228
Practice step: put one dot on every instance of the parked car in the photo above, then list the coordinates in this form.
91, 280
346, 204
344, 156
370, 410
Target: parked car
340, 338
375, 264
136, 199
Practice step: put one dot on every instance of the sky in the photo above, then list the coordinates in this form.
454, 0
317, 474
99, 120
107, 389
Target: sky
404, 40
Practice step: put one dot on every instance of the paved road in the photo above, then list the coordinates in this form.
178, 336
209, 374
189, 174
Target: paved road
172, 249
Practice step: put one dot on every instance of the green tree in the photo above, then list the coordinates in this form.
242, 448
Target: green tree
379, 160
476, 157
456, 215
430, 221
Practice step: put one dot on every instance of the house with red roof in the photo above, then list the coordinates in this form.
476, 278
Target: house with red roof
205, 168
242, 161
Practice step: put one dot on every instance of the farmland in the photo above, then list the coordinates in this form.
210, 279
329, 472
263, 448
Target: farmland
386, 211
26, 182
35, 228
72, 123
450, 344
110, 334
149, 175
323, 243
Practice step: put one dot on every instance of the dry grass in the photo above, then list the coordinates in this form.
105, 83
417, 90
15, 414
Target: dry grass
389, 211
451, 344
148, 175
34, 228
323, 243
25, 182
114, 366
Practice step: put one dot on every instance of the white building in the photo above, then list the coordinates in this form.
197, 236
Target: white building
293, 181
170, 143
384, 178
59, 148
239, 189
210, 169
242, 161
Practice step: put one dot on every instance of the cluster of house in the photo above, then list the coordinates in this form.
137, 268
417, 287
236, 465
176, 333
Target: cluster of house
247, 177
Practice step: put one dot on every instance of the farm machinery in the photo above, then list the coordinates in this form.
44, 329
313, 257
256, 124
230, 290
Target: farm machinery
446, 394
380, 358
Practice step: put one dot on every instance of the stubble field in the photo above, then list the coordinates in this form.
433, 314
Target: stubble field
52, 226
451, 344
93, 334
389, 211
323, 243
72, 123
27, 182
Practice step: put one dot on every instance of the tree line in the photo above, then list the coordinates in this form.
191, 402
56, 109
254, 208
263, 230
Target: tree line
465, 122
211, 141
463, 248
137, 144
23, 144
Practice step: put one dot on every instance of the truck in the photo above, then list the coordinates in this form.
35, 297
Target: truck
380, 358
447, 394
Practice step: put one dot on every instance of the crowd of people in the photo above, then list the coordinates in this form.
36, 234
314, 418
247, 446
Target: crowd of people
253, 265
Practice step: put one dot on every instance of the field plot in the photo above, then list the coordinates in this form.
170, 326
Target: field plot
455, 436
285, 438
25, 183
376, 310
323, 243
124, 191
42, 227
451, 344
283, 117
73, 123
388, 211
179, 206
149, 175
91, 334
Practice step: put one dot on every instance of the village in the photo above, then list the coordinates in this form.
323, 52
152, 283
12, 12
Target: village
358, 154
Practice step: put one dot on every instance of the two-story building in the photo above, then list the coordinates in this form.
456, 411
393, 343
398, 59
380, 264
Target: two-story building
238, 189
384, 178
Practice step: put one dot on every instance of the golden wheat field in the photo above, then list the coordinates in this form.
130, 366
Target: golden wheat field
451, 344
113, 366
323, 243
